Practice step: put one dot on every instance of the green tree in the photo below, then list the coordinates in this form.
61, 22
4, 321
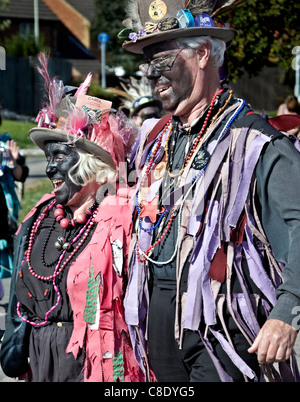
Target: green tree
108, 18
6, 22
267, 33
23, 46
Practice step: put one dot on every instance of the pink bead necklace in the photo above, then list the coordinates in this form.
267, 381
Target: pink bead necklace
85, 230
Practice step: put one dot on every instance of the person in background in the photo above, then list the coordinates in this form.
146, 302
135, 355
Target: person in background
12, 169
138, 97
290, 106
214, 285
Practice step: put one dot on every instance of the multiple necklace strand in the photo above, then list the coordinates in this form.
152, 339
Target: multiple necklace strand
197, 140
82, 235
145, 254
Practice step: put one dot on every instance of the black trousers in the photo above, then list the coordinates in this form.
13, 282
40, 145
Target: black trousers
49, 361
192, 363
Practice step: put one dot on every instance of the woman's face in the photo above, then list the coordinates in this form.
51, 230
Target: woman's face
61, 158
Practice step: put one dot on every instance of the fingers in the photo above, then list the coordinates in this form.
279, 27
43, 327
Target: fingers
274, 342
13, 148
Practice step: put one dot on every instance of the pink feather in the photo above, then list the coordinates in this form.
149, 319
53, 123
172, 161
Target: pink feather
82, 90
43, 69
77, 122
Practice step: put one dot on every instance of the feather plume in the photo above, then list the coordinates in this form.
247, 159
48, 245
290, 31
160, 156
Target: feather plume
225, 5
198, 7
43, 70
135, 89
82, 90
133, 15
77, 122
54, 88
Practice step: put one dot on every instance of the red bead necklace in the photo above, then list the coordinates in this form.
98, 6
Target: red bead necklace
151, 159
81, 219
196, 142
60, 266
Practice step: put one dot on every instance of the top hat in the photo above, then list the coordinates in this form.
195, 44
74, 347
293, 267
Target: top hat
153, 21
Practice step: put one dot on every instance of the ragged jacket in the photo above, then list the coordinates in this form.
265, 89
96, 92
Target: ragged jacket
99, 325
239, 231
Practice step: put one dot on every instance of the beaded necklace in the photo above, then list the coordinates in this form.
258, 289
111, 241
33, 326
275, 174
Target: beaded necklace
145, 254
151, 157
84, 232
196, 142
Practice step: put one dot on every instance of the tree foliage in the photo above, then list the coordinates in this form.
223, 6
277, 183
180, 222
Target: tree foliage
6, 22
266, 34
108, 18
267, 31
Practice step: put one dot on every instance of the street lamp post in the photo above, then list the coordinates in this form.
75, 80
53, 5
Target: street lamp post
103, 38
36, 21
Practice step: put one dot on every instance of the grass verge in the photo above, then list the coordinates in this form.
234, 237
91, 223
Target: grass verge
32, 195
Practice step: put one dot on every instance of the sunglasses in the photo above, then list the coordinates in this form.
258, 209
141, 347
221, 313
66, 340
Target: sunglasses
164, 63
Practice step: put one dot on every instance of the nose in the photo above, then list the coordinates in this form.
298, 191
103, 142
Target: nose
152, 73
50, 168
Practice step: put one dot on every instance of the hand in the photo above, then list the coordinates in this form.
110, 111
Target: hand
13, 151
274, 342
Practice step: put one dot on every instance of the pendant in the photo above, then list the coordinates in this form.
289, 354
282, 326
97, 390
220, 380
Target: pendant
62, 244
59, 242
159, 170
201, 159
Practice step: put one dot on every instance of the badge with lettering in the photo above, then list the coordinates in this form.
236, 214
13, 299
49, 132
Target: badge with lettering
157, 10
201, 159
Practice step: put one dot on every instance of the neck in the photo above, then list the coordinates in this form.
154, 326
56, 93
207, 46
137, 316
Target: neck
84, 199
192, 116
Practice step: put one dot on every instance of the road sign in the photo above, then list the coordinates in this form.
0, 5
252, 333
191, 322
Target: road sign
103, 37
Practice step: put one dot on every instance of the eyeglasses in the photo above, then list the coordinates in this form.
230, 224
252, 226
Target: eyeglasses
164, 63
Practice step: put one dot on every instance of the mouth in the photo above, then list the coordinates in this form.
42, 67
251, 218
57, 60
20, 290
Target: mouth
163, 89
57, 184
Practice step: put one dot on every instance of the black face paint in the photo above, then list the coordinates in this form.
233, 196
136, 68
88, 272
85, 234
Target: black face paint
176, 85
61, 158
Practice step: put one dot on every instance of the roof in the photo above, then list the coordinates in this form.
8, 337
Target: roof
86, 7
76, 15
25, 9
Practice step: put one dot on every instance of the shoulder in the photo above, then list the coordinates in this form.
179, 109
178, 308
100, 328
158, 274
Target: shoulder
256, 122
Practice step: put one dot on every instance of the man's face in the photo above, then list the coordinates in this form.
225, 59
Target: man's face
61, 158
177, 85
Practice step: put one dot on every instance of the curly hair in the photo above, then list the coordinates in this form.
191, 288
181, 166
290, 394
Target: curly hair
90, 168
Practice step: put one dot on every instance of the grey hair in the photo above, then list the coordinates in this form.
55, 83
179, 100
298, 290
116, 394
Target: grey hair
217, 47
89, 168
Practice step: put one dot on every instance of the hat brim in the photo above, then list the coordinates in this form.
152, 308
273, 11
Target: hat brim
40, 136
225, 34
